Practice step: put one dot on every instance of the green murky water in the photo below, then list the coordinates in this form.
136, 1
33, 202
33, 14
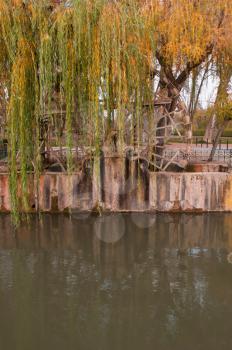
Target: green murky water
118, 282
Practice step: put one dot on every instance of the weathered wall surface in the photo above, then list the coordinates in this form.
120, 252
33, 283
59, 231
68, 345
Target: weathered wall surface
191, 191
122, 185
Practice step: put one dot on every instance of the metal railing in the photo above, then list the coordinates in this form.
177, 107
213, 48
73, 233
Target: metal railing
202, 154
224, 143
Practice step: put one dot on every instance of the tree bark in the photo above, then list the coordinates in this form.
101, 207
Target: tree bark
222, 93
217, 139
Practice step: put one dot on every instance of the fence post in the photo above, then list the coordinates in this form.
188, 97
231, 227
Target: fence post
227, 144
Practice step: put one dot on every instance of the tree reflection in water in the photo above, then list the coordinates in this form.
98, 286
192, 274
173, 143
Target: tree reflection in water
116, 282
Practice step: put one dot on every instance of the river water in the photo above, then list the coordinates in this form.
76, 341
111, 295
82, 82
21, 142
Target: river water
123, 281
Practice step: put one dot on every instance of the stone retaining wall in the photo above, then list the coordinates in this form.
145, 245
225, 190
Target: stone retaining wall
121, 185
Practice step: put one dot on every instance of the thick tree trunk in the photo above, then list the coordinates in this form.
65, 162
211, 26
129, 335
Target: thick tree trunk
173, 85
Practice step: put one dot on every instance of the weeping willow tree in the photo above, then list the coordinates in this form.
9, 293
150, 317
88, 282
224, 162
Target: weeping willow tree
95, 60
95, 56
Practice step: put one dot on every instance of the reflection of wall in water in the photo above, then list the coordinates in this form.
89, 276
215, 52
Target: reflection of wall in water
149, 277
166, 231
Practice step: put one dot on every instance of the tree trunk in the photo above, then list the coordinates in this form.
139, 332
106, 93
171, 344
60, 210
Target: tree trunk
217, 139
211, 129
222, 93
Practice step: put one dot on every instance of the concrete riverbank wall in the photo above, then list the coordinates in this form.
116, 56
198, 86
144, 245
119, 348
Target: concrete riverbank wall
122, 185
